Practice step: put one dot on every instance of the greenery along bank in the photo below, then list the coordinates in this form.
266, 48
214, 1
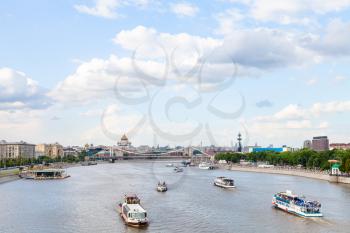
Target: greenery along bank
305, 157
42, 159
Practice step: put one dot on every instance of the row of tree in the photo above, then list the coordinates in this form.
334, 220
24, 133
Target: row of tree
306, 158
21, 161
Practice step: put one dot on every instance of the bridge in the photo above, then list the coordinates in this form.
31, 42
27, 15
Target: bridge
172, 154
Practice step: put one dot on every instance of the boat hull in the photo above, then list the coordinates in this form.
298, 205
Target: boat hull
129, 222
133, 223
224, 186
162, 190
294, 211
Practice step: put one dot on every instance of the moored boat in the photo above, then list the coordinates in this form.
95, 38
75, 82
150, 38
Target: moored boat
132, 212
88, 163
162, 187
169, 165
178, 169
297, 205
224, 182
205, 166
44, 174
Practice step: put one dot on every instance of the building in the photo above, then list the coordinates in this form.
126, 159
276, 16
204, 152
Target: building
123, 147
320, 143
339, 146
271, 149
12, 150
307, 144
51, 150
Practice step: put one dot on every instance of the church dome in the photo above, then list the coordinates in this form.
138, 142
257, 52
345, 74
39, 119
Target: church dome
124, 138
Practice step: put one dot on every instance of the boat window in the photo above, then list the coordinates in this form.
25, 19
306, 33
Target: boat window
138, 215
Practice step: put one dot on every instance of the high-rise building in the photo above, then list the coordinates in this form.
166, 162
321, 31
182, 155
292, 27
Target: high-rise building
12, 150
307, 144
320, 143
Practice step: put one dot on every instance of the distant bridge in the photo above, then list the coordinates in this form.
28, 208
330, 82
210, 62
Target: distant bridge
164, 155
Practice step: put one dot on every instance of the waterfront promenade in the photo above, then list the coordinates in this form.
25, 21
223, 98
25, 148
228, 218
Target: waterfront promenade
314, 174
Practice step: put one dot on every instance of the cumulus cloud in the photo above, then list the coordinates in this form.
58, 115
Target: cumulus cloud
158, 57
103, 8
108, 8
333, 40
184, 9
296, 112
18, 91
99, 78
291, 11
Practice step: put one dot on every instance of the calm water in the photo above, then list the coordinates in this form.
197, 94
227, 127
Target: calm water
86, 202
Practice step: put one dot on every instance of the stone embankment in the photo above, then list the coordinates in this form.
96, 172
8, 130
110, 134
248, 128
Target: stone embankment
314, 174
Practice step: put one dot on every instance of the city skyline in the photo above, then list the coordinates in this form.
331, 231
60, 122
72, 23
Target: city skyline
174, 73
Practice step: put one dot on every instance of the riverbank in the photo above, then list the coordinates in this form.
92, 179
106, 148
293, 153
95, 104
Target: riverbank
8, 175
6, 179
291, 172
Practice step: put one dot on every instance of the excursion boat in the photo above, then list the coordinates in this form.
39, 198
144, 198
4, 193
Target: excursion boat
169, 165
162, 187
44, 174
297, 205
132, 212
224, 182
205, 166
178, 169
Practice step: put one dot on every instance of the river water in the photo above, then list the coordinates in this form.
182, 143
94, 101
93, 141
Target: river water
86, 202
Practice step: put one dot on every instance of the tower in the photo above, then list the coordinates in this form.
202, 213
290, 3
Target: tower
239, 139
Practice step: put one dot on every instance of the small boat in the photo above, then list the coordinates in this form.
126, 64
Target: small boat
205, 166
162, 187
297, 205
89, 163
44, 174
132, 212
169, 165
224, 182
178, 169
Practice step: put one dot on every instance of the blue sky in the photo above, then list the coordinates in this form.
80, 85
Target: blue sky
87, 71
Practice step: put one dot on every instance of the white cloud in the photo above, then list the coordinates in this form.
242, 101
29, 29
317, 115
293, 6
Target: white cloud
98, 79
108, 8
293, 11
333, 40
228, 21
184, 9
296, 112
339, 78
18, 91
103, 8
312, 82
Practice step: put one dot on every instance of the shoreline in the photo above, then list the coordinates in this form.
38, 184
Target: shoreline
5, 179
291, 172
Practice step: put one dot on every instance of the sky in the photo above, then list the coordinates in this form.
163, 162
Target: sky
174, 72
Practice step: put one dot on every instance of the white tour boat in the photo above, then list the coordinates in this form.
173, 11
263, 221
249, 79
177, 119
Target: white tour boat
205, 166
162, 187
297, 205
132, 212
224, 182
